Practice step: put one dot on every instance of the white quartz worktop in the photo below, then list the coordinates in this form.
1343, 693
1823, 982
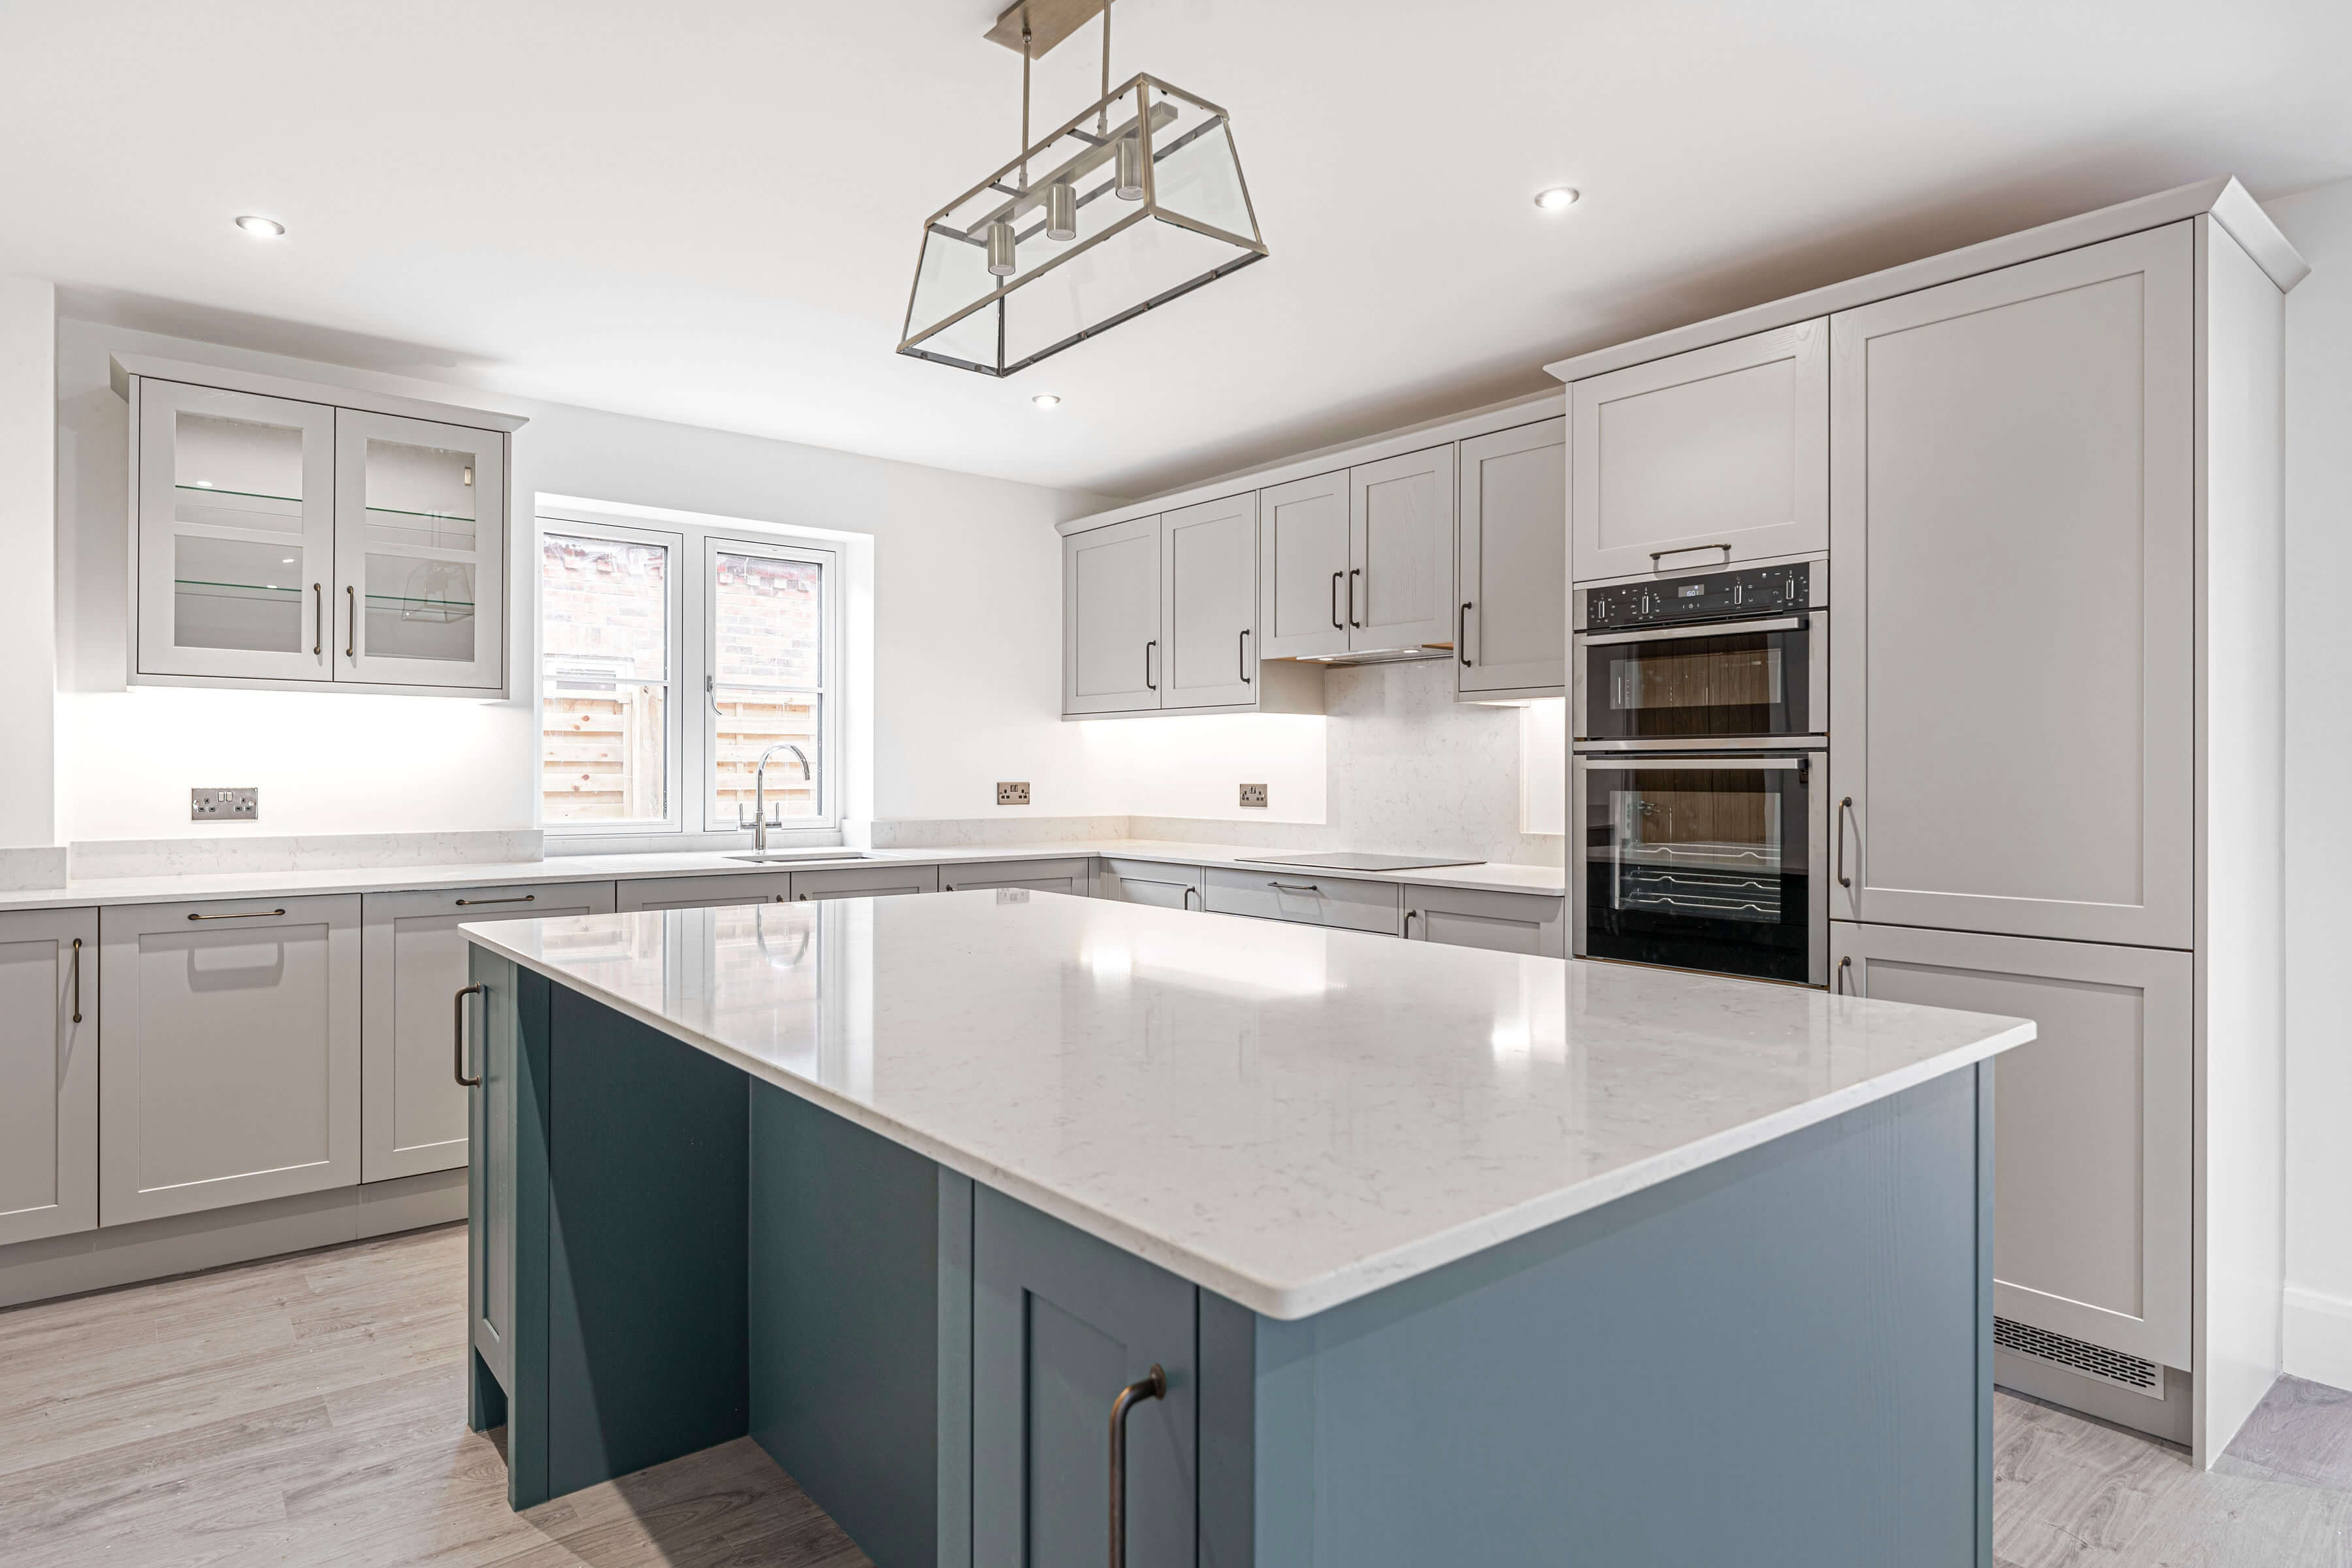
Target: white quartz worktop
1287, 1115
177, 887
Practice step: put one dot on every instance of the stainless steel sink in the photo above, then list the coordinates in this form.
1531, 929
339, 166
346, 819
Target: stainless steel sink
790, 856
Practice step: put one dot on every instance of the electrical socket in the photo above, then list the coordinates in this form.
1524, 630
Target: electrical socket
1013, 794
225, 804
1253, 795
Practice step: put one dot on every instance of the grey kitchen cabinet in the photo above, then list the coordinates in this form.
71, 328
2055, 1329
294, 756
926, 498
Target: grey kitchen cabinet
1304, 898
1060, 1323
1208, 604
702, 893
412, 960
1111, 653
1702, 459
1159, 883
1511, 625
878, 880
1531, 923
1400, 587
501, 1110
49, 1073
2092, 1121
2013, 690
229, 1066
420, 553
1060, 876
1303, 552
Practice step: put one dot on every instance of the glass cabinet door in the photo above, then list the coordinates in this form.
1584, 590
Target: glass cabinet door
235, 533
420, 553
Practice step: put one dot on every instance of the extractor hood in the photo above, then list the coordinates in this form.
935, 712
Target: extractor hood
1382, 654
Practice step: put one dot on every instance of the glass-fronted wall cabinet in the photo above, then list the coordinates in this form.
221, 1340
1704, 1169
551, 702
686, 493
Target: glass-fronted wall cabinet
286, 537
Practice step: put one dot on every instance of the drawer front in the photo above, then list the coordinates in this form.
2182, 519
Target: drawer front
1155, 882
703, 892
1532, 923
864, 881
1308, 898
1042, 876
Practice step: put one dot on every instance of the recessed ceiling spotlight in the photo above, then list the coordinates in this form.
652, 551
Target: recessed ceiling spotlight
263, 227
1046, 400
1559, 198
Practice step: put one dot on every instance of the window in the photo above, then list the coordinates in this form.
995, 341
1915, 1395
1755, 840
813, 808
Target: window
641, 627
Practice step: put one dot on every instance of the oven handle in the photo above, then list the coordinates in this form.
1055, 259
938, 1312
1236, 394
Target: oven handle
1622, 760
1705, 629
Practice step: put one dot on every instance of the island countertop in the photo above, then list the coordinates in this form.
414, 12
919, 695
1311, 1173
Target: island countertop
1289, 1116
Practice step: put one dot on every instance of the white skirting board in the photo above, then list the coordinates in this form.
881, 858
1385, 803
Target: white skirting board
187, 1244
2319, 1338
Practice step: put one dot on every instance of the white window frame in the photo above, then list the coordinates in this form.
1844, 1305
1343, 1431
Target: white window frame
693, 636
674, 670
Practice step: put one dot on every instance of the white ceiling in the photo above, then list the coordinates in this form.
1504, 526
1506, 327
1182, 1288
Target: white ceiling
710, 212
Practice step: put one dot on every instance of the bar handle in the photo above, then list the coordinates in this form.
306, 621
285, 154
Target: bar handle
457, 1065
1336, 624
1154, 1387
351, 631
1185, 900
318, 620
1354, 572
1149, 684
1690, 549
1408, 923
1241, 652
77, 980
1845, 808
240, 915
526, 899
1462, 631
1845, 967
1294, 887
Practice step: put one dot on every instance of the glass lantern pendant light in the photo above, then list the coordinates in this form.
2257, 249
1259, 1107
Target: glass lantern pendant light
1137, 199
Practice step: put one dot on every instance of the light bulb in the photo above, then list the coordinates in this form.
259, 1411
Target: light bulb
262, 228
1061, 211
204, 484
1559, 198
1128, 161
1000, 248
1046, 400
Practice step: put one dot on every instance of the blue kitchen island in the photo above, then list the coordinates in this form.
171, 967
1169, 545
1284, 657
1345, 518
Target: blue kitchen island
1032, 1230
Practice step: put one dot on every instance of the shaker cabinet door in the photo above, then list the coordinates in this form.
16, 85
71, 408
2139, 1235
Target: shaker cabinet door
1511, 622
1303, 566
412, 1110
2091, 1124
1061, 1322
1703, 459
49, 1073
1208, 604
2012, 685
229, 1070
420, 553
236, 533
1400, 587
1112, 656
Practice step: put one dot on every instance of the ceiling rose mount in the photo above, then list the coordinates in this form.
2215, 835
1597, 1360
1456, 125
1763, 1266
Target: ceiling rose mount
1136, 200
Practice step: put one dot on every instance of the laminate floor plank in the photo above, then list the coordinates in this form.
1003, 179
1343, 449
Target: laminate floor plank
308, 1411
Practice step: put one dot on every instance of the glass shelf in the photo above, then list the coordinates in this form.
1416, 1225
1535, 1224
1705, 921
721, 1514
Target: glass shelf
436, 516
250, 495
240, 587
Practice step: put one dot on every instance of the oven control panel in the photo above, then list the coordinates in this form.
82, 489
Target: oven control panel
1758, 593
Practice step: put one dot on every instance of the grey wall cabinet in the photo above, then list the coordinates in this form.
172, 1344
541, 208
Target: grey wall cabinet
702, 893
1159, 883
1303, 549
1208, 604
49, 1073
1531, 923
1111, 653
2013, 690
1400, 588
866, 881
1511, 622
229, 1068
1071, 875
420, 553
1703, 459
1060, 1323
2092, 1124
412, 1110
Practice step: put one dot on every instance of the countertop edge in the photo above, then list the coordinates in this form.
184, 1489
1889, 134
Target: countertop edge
1290, 1302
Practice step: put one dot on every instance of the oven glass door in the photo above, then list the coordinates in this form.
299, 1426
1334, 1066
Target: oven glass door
1699, 683
1707, 863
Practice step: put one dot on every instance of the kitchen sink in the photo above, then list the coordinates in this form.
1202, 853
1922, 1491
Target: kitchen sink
787, 856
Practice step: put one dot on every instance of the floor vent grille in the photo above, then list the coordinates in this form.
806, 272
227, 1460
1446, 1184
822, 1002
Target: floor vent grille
2139, 1375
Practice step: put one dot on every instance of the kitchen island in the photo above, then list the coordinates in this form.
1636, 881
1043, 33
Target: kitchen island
1386, 1252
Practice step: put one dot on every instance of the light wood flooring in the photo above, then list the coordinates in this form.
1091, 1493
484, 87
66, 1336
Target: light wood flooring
309, 1410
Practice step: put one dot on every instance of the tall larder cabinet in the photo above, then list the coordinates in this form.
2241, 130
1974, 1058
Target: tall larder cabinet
2055, 510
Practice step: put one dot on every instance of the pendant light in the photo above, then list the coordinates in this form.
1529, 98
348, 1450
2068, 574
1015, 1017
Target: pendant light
1141, 200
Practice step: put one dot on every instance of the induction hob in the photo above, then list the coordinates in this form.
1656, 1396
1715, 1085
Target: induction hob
1347, 861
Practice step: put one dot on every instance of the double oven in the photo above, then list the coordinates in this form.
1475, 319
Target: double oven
1699, 711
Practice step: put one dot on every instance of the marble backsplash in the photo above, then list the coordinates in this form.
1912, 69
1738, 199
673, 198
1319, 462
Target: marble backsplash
314, 852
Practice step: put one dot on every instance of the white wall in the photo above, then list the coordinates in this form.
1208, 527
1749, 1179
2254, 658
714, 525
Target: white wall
967, 630
2318, 764
27, 590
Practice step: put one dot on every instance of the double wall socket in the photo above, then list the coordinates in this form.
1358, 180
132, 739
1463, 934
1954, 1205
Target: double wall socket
1013, 794
225, 806
1253, 795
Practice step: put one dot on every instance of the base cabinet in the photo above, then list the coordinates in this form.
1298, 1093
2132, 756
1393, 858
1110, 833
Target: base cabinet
412, 1106
2092, 1126
1530, 923
702, 893
864, 882
229, 1069
1157, 883
49, 1073
1037, 876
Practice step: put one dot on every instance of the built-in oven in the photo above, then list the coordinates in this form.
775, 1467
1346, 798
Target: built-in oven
1731, 658
1713, 861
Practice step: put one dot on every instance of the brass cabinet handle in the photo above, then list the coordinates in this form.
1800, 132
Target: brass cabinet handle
1336, 624
1154, 1387
1845, 808
240, 915
457, 1067
77, 980
1462, 632
526, 899
318, 620
352, 632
